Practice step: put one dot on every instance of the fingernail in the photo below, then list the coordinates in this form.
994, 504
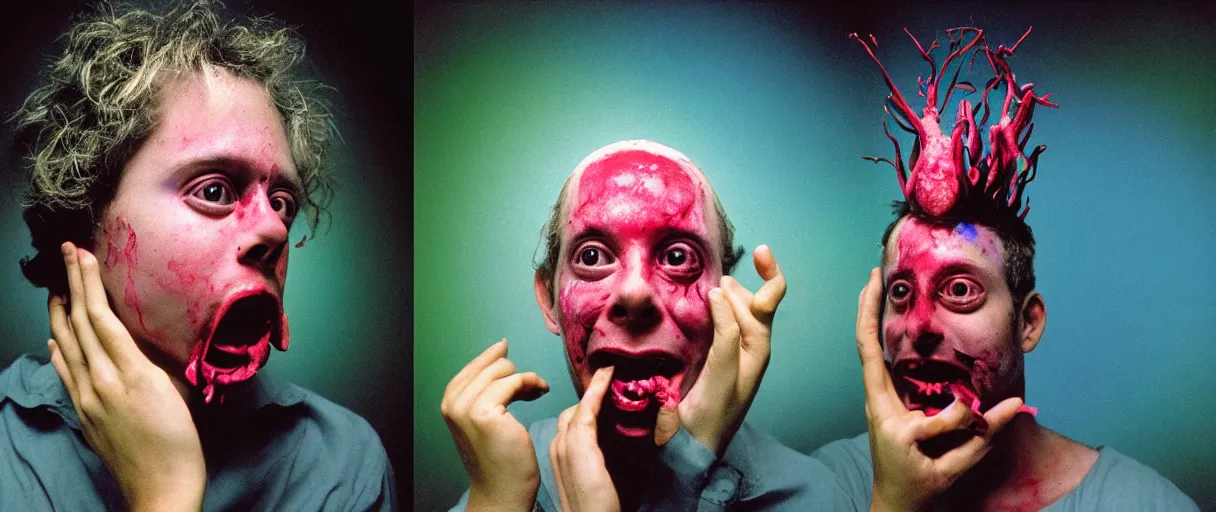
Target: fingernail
715, 294
66, 248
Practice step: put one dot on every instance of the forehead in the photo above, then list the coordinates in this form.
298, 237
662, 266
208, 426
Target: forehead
212, 115
916, 244
642, 189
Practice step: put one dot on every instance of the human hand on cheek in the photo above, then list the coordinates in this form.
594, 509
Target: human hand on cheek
495, 447
578, 463
131, 413
905, 476
735, 365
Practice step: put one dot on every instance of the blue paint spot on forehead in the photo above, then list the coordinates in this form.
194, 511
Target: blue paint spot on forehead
967, 230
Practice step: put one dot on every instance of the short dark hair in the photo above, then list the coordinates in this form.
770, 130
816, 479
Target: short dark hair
1017, 240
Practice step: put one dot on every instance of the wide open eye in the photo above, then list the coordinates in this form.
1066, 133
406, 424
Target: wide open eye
285, 204
899, 292
211, 195
215, 190
962, 293
681, 261
591, 255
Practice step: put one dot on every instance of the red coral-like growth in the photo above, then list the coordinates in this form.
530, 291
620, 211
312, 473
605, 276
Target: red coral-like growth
949, 173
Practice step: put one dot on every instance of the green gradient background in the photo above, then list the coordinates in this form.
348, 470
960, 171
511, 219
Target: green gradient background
777, 105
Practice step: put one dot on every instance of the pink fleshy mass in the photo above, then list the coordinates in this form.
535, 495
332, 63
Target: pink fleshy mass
950, 171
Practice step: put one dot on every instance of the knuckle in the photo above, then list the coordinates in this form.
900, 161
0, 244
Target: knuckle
105, 382
89, 406
96, 316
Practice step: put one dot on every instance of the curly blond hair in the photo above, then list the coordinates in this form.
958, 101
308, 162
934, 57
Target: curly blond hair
97, 104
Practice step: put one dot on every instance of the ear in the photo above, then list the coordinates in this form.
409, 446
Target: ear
1034, 321
544, 298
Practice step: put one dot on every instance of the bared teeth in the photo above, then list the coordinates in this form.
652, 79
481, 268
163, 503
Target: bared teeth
927, 388
635, 394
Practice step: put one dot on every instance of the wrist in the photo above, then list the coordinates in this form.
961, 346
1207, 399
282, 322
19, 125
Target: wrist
880, 504
482, 501
184, 502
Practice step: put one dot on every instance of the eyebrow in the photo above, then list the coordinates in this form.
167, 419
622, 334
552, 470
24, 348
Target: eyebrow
282, 179
949, 268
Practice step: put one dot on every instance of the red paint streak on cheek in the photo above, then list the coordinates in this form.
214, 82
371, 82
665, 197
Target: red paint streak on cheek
130, 296
894, 327
581, 304
111, 249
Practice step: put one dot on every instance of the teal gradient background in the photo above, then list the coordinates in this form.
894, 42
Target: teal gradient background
348, 290
777, 105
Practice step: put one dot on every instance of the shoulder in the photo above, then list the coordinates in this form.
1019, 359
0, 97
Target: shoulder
849, 461
1119, 481
848, 452
777, 477
27, 382
44, 463
332, 450
344, 434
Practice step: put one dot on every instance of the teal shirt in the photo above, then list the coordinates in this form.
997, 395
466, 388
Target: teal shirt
1115, 482
270, 445
756, 473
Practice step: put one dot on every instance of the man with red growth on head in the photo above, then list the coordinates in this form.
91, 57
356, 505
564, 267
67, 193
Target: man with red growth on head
943, 326
665, 349
169, 155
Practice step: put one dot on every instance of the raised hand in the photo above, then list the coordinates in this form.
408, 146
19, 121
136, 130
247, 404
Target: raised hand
905, 478
131, 413
735, 365
578, 462
495, 448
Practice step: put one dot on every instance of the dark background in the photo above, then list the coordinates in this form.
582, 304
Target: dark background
350, 290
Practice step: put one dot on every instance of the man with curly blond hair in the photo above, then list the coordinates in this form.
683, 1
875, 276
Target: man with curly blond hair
168, 157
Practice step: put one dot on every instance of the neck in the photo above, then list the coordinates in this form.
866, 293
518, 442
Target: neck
1028, 468
629, 462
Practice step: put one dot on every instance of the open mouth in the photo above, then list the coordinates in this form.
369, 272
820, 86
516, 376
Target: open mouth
640, 385
244, 329
932, 385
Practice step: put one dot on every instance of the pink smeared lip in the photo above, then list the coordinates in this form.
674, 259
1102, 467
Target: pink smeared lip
642, 382
938, 389
218, 361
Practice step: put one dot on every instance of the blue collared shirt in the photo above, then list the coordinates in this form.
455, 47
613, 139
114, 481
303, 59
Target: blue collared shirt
1115, 482
271, 445
756, 473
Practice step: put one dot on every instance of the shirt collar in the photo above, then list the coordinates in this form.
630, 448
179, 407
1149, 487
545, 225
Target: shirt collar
31, 382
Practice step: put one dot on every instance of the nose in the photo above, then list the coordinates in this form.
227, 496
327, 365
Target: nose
923, 328
263, 234
633, 306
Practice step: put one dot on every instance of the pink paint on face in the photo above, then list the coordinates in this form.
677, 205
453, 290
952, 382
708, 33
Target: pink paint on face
949, 321
639, 254
195, 240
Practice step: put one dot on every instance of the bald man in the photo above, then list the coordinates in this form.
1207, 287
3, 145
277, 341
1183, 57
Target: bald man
664, 348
